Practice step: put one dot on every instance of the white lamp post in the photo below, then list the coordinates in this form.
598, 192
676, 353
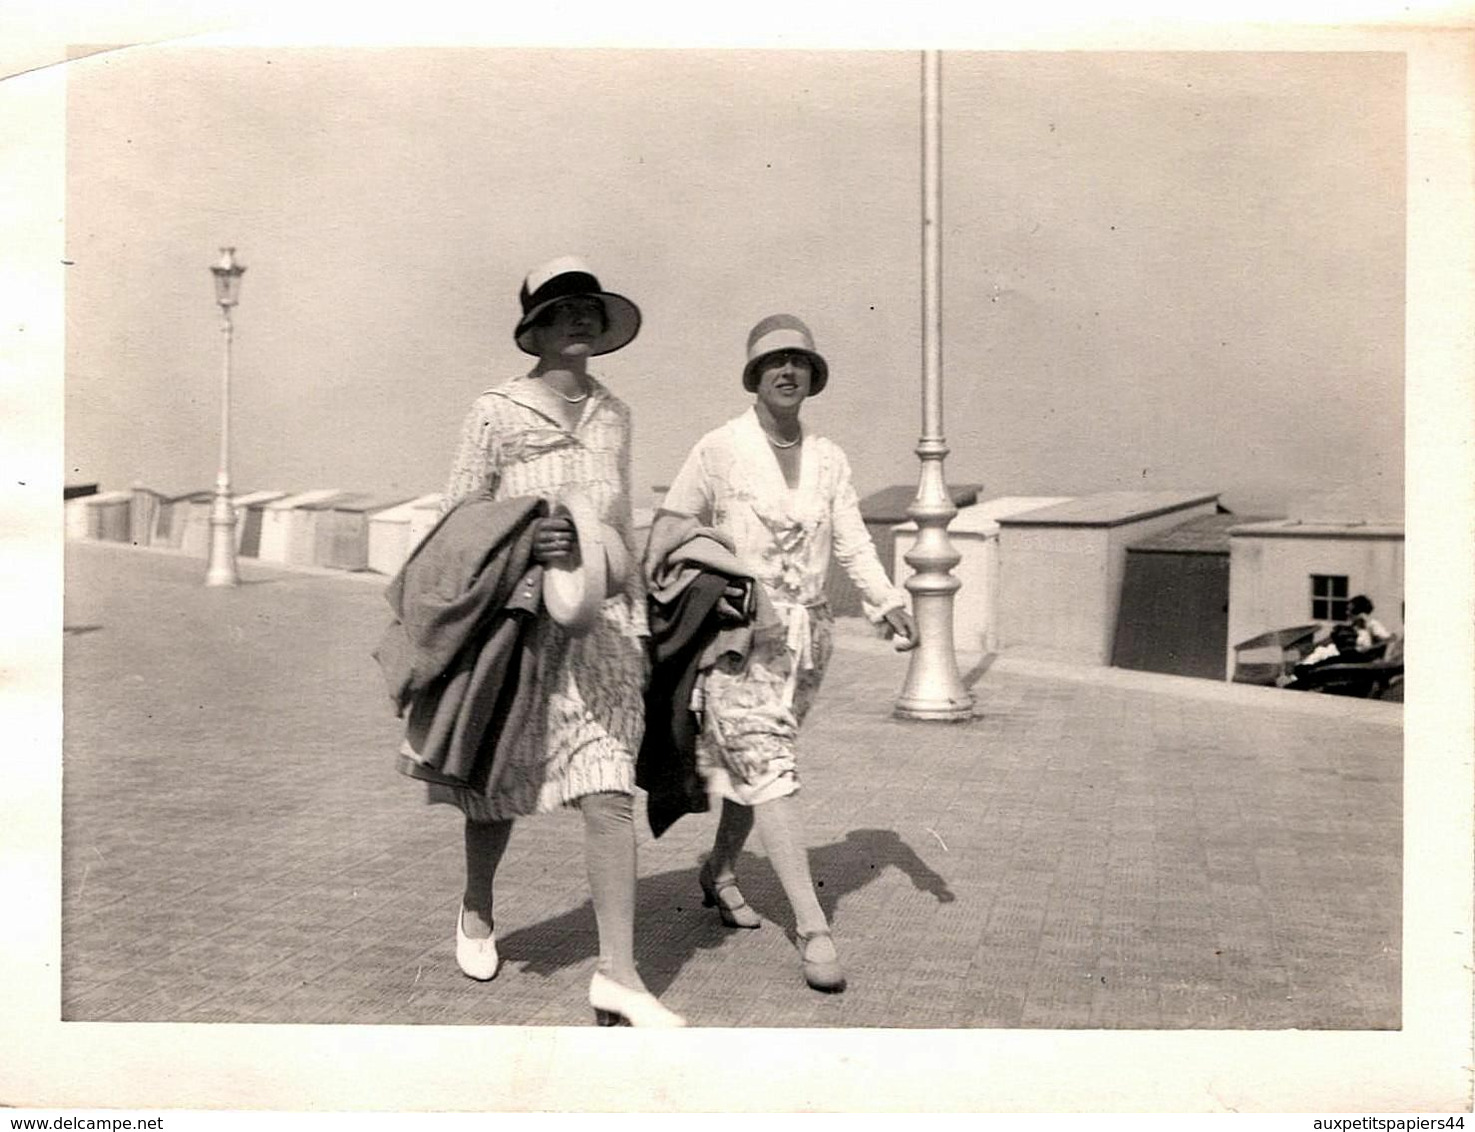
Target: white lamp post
933, 689
222, 568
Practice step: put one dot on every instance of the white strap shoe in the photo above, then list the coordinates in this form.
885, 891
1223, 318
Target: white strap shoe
477, 958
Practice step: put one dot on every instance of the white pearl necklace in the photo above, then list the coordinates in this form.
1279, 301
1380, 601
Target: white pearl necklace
579, 400
782, 443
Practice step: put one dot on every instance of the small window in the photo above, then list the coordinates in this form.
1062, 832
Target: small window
1329, 597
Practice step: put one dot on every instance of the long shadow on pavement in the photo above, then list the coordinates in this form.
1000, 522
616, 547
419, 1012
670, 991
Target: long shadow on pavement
671, 926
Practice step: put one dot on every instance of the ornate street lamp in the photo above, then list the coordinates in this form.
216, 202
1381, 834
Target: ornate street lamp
933, 688
222, 568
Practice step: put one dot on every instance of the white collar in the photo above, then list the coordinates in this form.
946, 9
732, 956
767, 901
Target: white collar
772, 495
518, 391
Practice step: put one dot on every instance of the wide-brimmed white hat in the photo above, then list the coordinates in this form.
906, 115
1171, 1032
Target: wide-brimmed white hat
574, 590
563, 278
780, 332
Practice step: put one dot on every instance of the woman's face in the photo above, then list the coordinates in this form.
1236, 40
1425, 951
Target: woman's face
570, 327
783, 380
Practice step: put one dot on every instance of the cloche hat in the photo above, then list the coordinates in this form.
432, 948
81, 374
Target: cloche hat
563, 278
782, 332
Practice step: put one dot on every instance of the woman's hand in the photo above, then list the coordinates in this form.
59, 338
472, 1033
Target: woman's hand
899, 624
554, 540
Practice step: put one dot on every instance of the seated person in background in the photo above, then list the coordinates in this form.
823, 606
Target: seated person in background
1359, 638
1339, 647
1370, 632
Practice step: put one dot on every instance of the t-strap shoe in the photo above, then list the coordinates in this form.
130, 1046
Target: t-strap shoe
617, 1005
733, 908
820, 973
477, 958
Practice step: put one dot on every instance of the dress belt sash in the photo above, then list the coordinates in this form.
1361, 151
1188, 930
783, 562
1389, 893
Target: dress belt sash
799, 639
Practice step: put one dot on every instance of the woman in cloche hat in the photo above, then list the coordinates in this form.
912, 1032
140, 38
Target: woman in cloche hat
550, 432
786, 500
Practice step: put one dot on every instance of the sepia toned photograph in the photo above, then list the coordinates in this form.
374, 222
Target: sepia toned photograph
802, 545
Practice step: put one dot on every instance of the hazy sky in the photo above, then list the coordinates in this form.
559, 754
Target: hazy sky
1161, 271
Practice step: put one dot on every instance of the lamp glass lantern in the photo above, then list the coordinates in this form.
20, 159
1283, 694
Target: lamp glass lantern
227, 274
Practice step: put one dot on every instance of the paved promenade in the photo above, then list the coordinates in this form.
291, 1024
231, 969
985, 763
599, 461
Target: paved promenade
1096, 848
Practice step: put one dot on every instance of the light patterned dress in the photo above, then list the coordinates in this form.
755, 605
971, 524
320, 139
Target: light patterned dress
752, 709
589, 713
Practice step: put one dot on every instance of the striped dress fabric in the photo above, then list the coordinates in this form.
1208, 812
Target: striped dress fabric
589, 689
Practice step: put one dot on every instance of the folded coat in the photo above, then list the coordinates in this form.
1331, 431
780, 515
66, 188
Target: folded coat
665, 768
693, 622
452, 654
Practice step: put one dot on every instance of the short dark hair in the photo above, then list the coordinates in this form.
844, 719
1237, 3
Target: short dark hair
1359, 604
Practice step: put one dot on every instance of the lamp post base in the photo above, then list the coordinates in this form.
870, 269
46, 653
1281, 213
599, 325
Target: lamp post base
930, 711
934, 690
222, 568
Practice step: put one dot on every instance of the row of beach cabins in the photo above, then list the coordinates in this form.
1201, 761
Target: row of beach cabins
341, 530
1159, 581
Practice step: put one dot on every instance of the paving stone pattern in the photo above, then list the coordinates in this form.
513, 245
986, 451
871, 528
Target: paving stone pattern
1095, 849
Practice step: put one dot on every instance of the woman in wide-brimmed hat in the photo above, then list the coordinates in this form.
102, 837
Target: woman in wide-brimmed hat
785, 499
554, 433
